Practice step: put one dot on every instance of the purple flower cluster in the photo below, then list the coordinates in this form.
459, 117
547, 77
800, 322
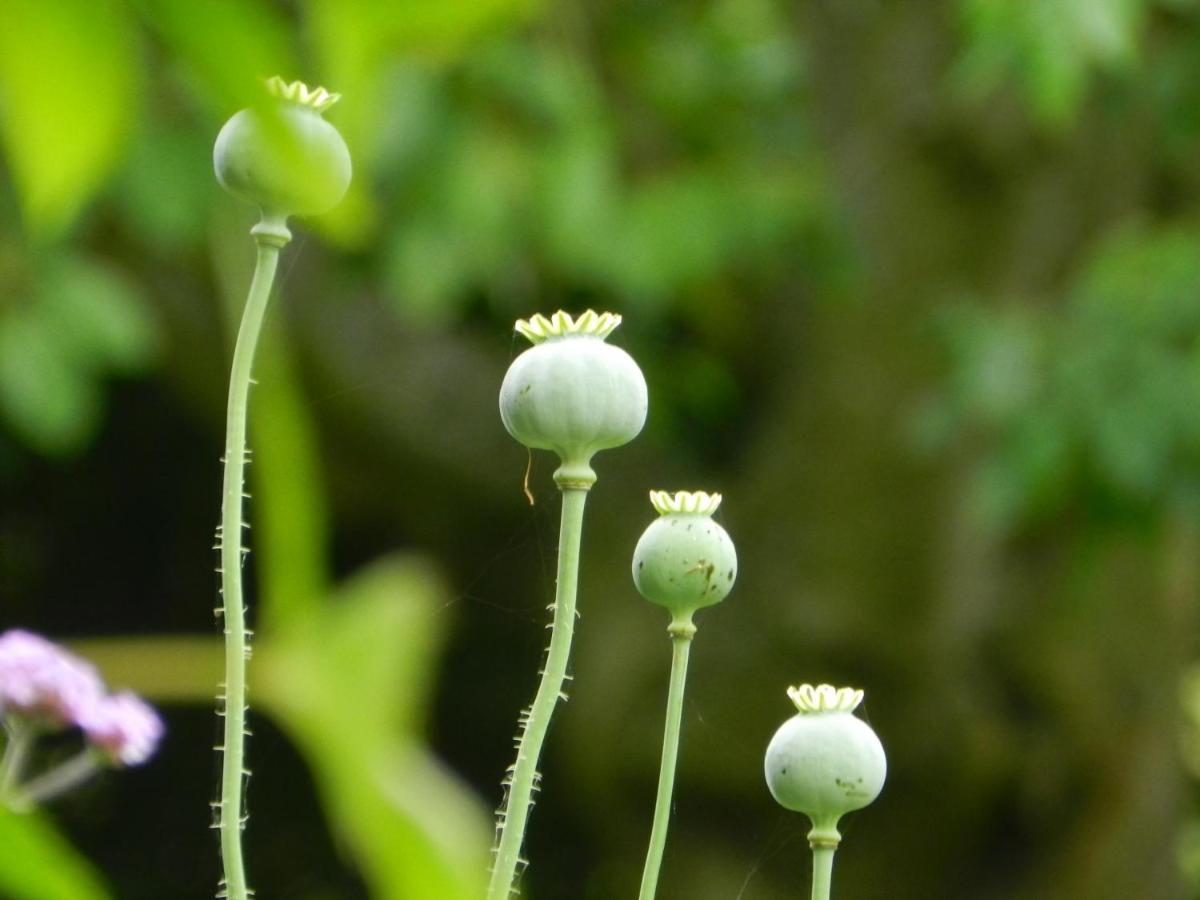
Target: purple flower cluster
53, 689
125, 727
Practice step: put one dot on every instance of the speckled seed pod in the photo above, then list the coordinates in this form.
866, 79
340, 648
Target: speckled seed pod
284, 157
825, 761
684, 560
571, 392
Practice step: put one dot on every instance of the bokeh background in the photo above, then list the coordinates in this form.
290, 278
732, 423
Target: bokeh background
916, 286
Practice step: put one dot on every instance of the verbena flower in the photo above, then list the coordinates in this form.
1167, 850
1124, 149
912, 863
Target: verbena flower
44, 682
125, 728
53, 688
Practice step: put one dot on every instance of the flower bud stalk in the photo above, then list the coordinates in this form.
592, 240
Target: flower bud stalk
681, 644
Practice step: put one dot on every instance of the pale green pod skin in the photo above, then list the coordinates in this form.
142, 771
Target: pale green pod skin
825, 763
284, 158
574, 394
684, 561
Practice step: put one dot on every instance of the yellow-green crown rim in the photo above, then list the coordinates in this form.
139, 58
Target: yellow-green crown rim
825, 698
685, 503
301, 94
538, 328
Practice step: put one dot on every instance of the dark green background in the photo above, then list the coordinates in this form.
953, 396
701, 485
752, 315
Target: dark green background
915, 285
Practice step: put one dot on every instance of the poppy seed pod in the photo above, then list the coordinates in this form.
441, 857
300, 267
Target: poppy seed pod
573, 393
283, 156
684, 560
825, 761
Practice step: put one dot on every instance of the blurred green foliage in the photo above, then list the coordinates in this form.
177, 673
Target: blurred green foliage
914, 286
79, 323
1095, 400
1052, 49
38, 864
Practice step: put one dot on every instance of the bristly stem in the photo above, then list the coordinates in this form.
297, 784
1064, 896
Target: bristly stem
681, 641
516, 806
822, 871
270, 236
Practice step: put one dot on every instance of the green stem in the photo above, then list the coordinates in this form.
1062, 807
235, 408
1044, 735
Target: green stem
529, 747
822, 871
270, 236
16, 752
57, 781
681, 643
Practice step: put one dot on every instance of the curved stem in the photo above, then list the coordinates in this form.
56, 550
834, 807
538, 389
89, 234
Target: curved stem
516, 806
681, 644
822, 871
233, 768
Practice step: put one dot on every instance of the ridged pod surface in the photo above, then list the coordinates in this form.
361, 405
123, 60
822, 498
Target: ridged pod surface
572, 392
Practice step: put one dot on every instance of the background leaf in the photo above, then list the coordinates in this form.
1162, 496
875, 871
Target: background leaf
36, 863
67, 96
352, 686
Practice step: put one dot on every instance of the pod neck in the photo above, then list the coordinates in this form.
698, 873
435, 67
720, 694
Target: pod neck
824, 834
272, 230
574, 476
681, 626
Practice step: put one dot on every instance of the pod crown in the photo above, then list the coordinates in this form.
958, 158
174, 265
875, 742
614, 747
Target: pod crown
538, 328
685, 502
825, 698
301, 94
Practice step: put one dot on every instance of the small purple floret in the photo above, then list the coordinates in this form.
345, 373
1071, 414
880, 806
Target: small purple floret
42, 681
125, 727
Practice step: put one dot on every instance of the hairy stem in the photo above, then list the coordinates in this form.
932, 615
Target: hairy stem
681, 644
233, 768
515, 811
822, 871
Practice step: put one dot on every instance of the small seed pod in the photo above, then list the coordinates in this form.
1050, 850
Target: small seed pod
684, 560
825, 761
573, 393
283, 156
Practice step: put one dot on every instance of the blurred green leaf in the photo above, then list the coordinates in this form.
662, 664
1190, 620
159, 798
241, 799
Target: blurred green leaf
292, 521
49, 401
102, 322
67, 97
356, 44
36, 863
1095, 400
676, 232
1144, 279
351, 684
231, 46
165, 190
1050, 47
83, 322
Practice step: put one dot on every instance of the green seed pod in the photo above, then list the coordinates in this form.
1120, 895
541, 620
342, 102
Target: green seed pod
573, 393
283, 156
684, 560
825, 761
